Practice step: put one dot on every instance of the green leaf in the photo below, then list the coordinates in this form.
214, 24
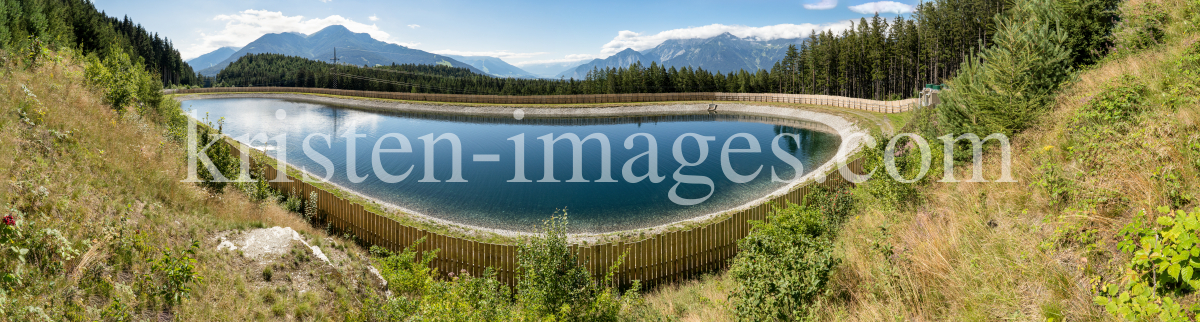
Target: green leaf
1173, 271
1179, 258
1186, 273
1166, 221
1164, 209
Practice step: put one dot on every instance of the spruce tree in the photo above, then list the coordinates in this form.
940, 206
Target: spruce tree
1010, 83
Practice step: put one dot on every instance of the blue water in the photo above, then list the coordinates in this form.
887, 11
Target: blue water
488, 199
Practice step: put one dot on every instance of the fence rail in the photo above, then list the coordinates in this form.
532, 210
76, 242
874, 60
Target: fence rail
665, 257
826, 100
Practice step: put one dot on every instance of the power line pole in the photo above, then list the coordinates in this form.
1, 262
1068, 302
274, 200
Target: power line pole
334, 68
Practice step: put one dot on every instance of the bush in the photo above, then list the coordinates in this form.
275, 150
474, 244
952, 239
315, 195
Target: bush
1141, 27
219, 153
13, 251
552, 282
783, 266
1165, 261
552, 285
267, 273
123, 82
171, 275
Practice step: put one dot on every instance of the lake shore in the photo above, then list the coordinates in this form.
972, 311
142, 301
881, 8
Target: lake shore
851, 134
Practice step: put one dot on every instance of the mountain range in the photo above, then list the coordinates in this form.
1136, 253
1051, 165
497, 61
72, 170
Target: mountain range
723, 53
550, 70
494, 66
212, 58
352, 48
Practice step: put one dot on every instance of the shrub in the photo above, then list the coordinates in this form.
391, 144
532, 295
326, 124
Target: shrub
310, 207
407, 273
552, 285
1165, 261
219, 153
908, 162
123, 82
13, 250
552, 282
783, 266
1116, 103
171, 275
1141, 26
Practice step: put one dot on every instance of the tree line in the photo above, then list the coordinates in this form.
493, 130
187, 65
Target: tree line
287, 71
77, 24
882, 59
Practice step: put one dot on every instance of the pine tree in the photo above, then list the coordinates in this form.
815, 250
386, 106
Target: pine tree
1011, 83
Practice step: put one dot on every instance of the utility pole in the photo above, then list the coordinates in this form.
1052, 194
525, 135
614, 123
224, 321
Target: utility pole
334, 68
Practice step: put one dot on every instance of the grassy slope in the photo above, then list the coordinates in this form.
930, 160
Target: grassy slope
1004, 251
109, 182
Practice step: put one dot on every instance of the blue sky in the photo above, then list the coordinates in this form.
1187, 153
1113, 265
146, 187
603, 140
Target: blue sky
520, 32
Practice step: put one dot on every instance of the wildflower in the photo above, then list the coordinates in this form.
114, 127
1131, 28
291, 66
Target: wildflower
9, 220
1048, 148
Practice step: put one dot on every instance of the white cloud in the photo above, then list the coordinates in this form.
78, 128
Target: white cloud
821, 5
638, 41
870, 8
246, 26
502, 54
566, 59
373, 18
414, 26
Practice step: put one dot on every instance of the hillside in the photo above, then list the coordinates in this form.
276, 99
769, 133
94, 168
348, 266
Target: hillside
99, 226
352, 48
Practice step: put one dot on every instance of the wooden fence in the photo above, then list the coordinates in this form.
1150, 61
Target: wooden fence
665, 257
826, 100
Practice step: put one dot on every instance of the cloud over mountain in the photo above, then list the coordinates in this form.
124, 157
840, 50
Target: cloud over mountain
246, 26
638, 41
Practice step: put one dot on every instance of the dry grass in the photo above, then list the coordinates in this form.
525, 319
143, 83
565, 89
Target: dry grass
701, 299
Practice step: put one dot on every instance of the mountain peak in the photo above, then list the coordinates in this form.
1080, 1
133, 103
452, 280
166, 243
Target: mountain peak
627, 51
334, 29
